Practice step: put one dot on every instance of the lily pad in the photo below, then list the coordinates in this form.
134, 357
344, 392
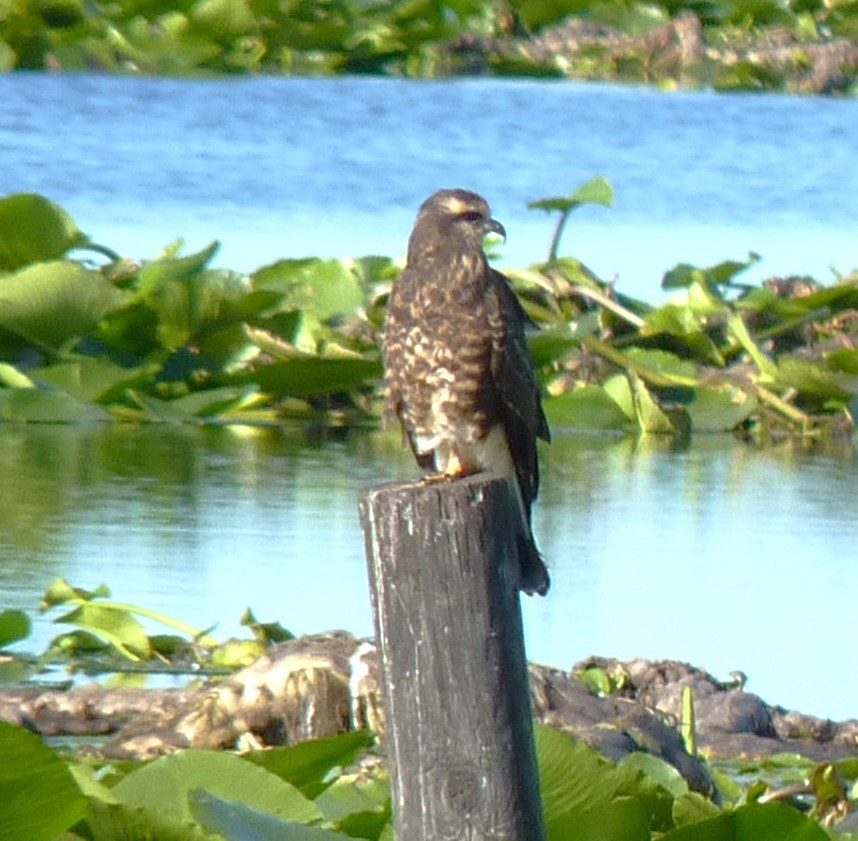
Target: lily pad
49, 303
33, 228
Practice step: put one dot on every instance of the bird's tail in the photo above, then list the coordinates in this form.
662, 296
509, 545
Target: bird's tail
533, 574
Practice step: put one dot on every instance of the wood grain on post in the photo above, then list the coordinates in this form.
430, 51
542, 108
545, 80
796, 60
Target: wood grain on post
444, 582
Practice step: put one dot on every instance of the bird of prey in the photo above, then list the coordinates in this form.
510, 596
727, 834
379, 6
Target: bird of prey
458, 373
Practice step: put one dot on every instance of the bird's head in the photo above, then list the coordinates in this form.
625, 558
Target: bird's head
456, 218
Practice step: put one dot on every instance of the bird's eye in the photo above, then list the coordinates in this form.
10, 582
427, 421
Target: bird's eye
471, 216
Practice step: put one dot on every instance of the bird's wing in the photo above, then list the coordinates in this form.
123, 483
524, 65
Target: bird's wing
516, 384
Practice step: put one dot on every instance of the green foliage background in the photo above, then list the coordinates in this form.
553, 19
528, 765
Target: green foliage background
401, 37
336, 787
86, 335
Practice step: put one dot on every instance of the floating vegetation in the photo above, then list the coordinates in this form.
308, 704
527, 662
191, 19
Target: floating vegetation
795, 45
86, 335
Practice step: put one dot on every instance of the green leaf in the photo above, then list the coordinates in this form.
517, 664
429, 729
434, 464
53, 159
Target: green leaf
754, 822
14, 625
113, 624
326, 288
656, 770
597, 681
59, 591
314, 375
347, 797
651, 417
169, 780
32, 405
49, 303
40, 799
588, 407
185, 296
307, 764
548, 346
692, 807
664, 363
719, 409
623, 819
236, 821
597, 190
739, 332
33, 229
813, 377
11, 377
92, 378
574, 779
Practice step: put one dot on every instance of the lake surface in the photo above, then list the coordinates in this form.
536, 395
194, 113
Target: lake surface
721, 554
277, 167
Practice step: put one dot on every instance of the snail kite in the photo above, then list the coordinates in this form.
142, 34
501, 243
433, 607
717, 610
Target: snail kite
458, 373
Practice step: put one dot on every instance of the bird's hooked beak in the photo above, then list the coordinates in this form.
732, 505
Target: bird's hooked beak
492, 226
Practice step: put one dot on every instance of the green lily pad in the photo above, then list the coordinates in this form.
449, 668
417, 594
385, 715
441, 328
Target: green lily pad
32, 229
49, 303
39, 795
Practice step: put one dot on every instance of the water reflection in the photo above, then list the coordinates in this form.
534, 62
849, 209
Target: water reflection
719, 553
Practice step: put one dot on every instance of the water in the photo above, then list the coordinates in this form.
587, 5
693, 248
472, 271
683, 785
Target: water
337, 167
722, 555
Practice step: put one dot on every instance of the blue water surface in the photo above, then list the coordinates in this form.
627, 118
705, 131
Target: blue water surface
721, 554
277, 167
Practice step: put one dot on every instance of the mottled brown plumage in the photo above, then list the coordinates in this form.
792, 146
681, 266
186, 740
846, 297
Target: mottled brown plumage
457, 367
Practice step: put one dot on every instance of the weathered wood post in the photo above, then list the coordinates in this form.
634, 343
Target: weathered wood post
443, 576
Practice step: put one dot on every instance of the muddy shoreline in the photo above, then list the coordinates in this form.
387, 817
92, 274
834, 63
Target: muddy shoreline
325, 684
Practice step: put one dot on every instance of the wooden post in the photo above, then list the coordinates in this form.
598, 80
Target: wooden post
444, 582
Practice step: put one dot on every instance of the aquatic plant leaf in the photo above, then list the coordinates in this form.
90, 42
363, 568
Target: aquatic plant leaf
14, 625
92, 378
815, 378
235, 820
49, 303
325, 288
308, 765
719, 409
302, 377
39, 795
624, 819
584, 795
597, 190
369, 824
843, 361
686, 325
548, 346
656, 770
347, 797
209, 402
59, 591
32, 229
738, 330
110, 820
753, 822
186, 296
114, 624
692, 807
573, 777
33, 405
664, 363
169, 780
684, 275
650, 416
619, 389
11, 377
223, 19
588, 407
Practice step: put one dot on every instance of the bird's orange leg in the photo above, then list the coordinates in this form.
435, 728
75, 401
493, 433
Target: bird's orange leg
454, 470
